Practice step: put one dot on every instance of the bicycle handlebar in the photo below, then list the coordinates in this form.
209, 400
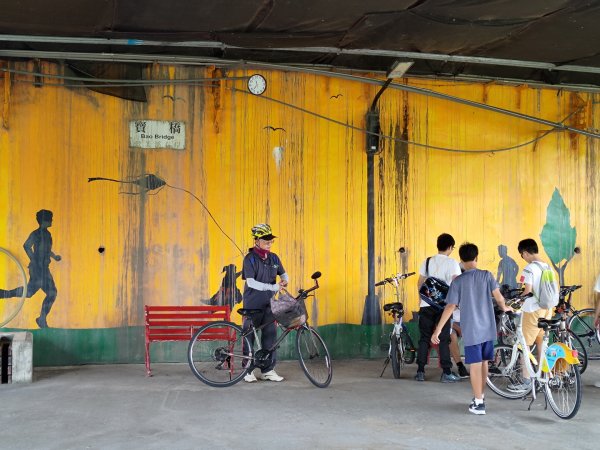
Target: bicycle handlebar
564, 290
517, 302
303, 293
397, 277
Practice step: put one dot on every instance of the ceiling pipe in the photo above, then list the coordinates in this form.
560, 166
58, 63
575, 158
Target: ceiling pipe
191, 60
331, 50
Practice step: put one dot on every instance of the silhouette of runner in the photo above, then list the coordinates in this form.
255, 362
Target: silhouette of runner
38, 247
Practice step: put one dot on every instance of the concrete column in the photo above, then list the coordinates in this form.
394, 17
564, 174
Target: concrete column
22, 356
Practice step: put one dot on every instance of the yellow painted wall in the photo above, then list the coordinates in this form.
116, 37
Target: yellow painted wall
164, 248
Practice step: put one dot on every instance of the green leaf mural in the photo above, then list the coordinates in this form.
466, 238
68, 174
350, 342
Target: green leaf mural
558, 237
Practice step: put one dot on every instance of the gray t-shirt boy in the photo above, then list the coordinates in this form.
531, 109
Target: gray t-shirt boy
472, 292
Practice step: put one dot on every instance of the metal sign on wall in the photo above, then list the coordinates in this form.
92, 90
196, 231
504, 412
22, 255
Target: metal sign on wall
157, 134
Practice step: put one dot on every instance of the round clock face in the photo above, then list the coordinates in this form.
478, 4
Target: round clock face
257, 84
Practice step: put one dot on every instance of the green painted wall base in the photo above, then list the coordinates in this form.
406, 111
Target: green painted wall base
64, 347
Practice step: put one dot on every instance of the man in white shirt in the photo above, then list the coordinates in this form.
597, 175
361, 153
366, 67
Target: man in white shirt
443, 267
530, 279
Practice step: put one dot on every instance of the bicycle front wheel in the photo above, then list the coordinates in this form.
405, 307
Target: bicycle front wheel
409, 348
582, 324
314, 357
396, 355
215, 354
563, 391
505, 376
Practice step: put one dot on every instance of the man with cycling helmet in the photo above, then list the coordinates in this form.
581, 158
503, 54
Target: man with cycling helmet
260, 270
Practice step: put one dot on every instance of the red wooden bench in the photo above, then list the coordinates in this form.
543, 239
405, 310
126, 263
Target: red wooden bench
178, 323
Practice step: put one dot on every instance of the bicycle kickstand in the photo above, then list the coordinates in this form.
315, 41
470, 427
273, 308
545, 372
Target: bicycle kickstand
533, 396
385, 364
530, 403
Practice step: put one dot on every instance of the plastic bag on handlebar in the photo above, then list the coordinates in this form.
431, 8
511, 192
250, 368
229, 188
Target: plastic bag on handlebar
288, 311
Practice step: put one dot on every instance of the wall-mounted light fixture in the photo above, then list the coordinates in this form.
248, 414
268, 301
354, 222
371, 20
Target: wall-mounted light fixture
399, 69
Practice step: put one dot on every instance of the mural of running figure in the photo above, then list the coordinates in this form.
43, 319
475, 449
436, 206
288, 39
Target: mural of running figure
38, 247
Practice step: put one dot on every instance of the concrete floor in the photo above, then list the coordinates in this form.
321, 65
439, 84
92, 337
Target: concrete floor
118, 407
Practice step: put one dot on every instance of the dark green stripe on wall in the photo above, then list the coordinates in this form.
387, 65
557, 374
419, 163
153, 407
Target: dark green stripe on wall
63, 347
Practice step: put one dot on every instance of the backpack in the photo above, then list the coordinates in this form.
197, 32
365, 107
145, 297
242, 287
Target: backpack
433, 291
547, 294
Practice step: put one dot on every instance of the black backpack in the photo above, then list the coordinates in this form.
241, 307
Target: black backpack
433, 291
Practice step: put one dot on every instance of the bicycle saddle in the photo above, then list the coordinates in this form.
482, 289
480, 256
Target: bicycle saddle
397, 306
249, 311
548, 323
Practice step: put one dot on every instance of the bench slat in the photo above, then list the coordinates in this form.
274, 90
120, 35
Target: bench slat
168, 338
187, 308
174, 322
186, 337
180, 330
210, 316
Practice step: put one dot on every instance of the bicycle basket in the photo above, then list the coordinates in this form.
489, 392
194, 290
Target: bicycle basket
288, 311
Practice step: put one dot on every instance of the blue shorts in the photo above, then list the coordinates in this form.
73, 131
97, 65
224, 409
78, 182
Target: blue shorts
479, 352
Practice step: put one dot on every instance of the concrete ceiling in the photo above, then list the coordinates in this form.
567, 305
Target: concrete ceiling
554, 42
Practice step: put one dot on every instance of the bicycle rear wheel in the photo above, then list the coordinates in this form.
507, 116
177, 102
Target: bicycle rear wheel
314, 357
396, 355
215, 354
409, 348
582, 324
563, 391
574, 343
504, 376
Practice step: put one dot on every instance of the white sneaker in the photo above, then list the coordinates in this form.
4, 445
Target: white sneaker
250, 378
597, 384
271, 375
520, 387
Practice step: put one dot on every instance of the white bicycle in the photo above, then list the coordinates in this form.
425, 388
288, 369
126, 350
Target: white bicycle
557, 374
401, 349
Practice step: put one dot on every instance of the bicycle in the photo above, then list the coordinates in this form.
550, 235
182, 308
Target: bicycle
582, 324
564, 333
507, 331
401, 349
216, 351
557, 374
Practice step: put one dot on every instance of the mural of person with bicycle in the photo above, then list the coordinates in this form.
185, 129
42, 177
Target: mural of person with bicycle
507, 268
260, 270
